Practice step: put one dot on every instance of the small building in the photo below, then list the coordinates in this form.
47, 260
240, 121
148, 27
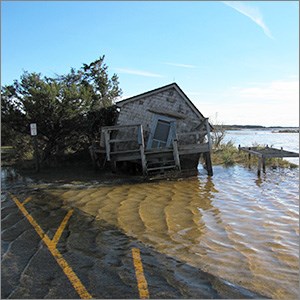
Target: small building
158, 130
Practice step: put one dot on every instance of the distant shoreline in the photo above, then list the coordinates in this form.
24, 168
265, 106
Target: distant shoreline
283, 129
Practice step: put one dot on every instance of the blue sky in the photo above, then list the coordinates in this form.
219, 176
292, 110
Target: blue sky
237, 61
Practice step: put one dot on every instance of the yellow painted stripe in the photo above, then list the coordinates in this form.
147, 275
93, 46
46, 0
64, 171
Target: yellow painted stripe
75, 281
36, 226
61, 228
139, 273
26, 200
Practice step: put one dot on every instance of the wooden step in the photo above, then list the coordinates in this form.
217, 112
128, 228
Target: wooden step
162, 162
158, 151
125, 152
161, 168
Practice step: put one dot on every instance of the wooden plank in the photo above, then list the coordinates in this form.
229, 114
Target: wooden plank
193, 148
251, 151
269, 152
127, 157
189, 133
155, 151
162, 168
121, 141
125, 151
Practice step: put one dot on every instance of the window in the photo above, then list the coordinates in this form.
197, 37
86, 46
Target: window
160, 136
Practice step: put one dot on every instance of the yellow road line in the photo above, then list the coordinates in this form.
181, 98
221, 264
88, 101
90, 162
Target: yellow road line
139, 273
75, 281
26, 200
61, 228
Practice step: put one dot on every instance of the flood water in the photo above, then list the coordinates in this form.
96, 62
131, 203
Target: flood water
234, 225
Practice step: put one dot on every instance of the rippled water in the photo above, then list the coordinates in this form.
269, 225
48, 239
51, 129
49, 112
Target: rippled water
234, 225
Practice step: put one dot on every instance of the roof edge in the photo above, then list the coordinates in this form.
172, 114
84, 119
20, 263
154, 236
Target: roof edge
122, 102
174, 84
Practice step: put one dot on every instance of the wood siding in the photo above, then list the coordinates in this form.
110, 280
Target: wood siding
169, 103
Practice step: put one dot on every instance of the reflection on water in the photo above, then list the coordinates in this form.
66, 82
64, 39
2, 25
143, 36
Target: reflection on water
234, 225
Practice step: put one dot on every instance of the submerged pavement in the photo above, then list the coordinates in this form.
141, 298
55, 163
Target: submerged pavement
50, 250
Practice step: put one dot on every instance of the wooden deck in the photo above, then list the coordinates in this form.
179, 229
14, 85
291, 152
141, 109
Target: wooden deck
267, 152
133, 149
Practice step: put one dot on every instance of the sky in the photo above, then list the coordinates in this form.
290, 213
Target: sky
237, 61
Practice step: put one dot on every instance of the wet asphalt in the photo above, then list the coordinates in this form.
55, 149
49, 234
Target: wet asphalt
98, 253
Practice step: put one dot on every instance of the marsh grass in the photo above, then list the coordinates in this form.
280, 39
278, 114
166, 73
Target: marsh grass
227, 154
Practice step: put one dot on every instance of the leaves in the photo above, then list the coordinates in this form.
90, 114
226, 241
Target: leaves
68, 109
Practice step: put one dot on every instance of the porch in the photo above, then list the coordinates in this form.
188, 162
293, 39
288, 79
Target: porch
127, 143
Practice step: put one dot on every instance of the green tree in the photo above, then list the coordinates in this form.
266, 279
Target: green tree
64, 108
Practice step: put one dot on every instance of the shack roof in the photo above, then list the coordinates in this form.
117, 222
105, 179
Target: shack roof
161, 89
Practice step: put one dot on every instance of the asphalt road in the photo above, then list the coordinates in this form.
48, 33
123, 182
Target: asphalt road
57, 252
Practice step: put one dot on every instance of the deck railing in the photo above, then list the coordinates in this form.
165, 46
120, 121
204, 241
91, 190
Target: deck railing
126, 143
196, 137
115, 136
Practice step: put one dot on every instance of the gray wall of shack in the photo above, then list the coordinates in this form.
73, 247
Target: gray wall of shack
167, 103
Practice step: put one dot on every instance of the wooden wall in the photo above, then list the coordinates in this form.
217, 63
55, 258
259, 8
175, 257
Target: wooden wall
168, 103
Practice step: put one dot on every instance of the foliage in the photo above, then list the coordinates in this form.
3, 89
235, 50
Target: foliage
226, 154
68, 109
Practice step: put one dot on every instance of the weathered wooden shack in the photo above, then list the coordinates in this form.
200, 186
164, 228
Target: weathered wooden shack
158, 130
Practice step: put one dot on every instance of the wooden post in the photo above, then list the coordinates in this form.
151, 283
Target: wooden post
113, 166
249, 156
259, 166
176, 155
142, 149
107, 143
263, 164
208, 164
207, 154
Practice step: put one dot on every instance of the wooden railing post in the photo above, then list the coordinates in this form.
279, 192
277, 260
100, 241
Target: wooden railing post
107, 143
142, 148
208, 133
176, 154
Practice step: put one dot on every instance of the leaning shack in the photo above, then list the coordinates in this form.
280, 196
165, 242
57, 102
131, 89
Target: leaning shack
158, 130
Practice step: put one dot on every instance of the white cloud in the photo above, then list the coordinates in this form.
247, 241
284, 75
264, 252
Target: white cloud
278, 91
269, 104
180, 65
137, 72
251, 12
